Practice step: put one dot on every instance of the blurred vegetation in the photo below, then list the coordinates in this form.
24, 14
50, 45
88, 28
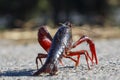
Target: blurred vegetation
31, 13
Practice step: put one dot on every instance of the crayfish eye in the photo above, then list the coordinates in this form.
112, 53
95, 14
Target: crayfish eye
69, 24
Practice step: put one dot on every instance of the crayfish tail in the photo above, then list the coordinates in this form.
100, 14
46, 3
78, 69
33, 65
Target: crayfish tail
38, 72
51, 69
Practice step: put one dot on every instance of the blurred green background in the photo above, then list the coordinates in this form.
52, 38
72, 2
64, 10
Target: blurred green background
31, 13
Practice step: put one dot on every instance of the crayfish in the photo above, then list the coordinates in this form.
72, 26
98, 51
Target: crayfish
60, 47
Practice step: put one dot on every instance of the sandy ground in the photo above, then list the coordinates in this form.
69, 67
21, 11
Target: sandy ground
94, 32
17, 62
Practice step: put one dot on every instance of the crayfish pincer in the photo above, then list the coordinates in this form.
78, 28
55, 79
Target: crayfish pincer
60, 42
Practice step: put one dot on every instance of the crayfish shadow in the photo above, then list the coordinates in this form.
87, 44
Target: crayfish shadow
24, 72
66, 67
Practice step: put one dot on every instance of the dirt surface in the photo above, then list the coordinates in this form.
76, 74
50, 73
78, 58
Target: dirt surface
17, 62
93, 32
18, 50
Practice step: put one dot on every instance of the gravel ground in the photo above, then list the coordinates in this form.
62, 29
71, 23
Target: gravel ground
17, 62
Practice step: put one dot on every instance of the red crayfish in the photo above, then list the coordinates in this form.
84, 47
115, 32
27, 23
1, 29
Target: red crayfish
60, 47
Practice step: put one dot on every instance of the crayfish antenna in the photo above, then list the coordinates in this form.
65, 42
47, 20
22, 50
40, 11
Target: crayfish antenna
66, 23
